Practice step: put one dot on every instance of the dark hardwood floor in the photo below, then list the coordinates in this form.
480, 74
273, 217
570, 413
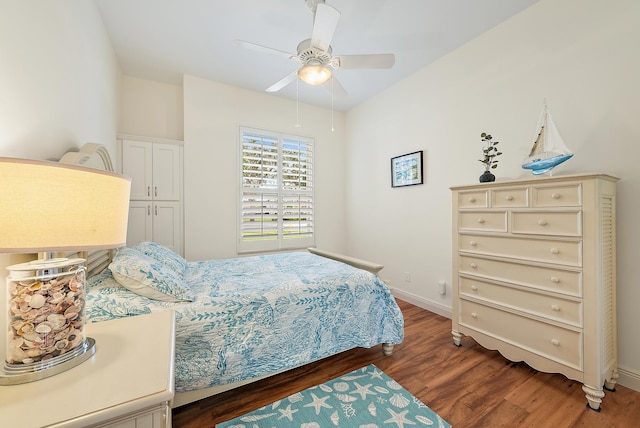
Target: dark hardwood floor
468, 386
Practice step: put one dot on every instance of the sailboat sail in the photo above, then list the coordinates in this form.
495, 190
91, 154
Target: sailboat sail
549, 149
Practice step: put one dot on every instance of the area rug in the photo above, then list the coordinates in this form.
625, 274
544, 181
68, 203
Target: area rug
364, 398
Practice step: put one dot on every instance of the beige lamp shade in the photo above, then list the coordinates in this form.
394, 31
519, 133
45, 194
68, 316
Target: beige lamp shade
47, 206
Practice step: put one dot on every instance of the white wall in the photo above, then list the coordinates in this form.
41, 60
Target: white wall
59, 78
213, 113
59, 84
583, 58
151, 109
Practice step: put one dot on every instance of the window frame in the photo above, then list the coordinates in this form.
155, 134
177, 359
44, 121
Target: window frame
284, 240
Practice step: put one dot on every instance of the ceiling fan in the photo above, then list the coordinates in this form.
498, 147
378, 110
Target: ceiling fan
315, 54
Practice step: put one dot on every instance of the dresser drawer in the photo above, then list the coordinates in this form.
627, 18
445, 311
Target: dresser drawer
494, 221
560, 252
547, 223
552, 307
473, 199
549, 279
547, 340
557, 196
510, 198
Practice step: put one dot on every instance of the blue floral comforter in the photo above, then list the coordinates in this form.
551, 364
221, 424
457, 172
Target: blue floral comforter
257, 315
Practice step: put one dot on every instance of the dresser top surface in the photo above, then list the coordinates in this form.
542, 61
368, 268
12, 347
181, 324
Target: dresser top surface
532, 180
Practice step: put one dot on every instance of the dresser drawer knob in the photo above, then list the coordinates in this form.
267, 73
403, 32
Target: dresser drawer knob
481, 220
474, 315
555, 342
473, 266
555, 195
509, 198
555, 308
472, 199
474, 288
473, 243
555, 251
555, 279
542, 222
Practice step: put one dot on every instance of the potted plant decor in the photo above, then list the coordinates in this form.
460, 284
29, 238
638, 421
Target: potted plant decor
490, 152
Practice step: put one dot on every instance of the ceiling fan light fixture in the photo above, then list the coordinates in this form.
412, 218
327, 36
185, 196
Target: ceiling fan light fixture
314, 74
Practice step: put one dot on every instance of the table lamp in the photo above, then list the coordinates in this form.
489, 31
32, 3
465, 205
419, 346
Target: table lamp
48, 207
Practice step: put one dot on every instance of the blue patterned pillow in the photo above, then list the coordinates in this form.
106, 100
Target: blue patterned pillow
163, 254
148, 277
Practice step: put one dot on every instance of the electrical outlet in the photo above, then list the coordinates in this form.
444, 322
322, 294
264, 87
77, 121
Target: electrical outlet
407, 277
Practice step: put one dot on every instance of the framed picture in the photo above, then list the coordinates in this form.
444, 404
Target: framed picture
406, 170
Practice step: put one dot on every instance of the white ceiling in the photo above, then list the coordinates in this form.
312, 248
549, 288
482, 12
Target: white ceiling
163, 39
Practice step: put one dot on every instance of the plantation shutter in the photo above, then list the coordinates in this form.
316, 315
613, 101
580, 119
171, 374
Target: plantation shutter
276, 203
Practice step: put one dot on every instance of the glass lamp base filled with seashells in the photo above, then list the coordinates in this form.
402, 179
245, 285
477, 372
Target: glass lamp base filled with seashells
46, 320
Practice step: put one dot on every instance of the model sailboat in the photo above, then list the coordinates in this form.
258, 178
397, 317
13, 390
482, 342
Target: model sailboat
549, 150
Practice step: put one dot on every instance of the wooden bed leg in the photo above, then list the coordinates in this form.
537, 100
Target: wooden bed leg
387, 349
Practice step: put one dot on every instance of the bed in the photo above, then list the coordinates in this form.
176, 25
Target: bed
242, 319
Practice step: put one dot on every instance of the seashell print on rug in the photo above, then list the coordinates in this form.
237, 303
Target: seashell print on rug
364, 398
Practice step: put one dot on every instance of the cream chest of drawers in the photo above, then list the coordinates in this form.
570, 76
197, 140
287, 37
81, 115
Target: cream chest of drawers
534, 274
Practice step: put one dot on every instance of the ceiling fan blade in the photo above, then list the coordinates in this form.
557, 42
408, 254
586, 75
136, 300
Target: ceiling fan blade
334, 86
263, 49
324, 25
283, 82
363, 61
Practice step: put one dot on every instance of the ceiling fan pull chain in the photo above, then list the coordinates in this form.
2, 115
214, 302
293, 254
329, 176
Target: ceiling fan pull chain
297, 125
332, 105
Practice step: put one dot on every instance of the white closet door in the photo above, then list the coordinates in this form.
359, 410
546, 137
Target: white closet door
137, 163
140, 227
166, 172
167, 224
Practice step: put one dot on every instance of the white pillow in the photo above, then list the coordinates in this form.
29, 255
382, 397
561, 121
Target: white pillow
148, 277
162, 254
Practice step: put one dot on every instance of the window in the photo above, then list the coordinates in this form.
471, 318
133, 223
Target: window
276, 197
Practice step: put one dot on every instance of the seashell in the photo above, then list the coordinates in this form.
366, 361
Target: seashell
32, 337
62, 334
325, 388
27, 361
341, 386
35, 286
61, 344
424, 420
346, 398
400, 401
335, 418
57, 321
392, 384
56, 297
30, 314
381, 389
43, 328
37, 301
294, 398
16, 355
72, 310
33, 352
310, 425
63, 306
372, 409
16, 343
25, 327
75, 285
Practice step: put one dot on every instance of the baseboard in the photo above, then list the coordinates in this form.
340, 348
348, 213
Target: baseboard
629, 378
423, 303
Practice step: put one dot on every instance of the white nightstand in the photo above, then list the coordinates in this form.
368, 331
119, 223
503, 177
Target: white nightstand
129, 382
